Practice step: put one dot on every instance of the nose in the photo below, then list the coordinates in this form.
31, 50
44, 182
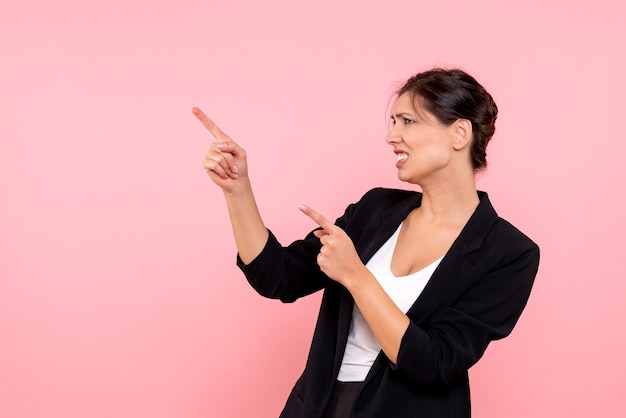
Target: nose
393, 137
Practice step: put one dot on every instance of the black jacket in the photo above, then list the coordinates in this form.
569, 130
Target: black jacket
475, 295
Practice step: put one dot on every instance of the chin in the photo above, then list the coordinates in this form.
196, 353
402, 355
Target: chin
405, 178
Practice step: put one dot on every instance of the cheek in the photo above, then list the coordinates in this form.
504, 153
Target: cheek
431, 147
433, 155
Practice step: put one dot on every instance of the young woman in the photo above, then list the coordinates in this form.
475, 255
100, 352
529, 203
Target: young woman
415, 284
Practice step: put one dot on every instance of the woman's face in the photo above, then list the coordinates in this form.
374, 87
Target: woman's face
423, 145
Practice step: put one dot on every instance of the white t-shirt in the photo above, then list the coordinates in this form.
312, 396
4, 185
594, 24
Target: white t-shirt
363, 348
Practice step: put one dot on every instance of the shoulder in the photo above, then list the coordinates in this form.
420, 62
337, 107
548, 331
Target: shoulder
496, 237
506, 243
508, 235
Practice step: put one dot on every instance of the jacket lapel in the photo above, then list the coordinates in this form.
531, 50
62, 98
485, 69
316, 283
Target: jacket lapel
378, 231
456, 267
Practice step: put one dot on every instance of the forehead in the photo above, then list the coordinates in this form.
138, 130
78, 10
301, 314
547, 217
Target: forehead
411, 104
405, 100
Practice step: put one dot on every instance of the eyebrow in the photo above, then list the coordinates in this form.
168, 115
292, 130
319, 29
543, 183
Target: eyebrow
403, 115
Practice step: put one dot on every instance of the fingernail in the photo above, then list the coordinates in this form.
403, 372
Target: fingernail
221, 145
234, 169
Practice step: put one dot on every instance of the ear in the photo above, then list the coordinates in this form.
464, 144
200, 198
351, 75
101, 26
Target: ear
462, 133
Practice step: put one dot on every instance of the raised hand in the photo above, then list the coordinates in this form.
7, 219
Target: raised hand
225, 162
337, 258
227, 165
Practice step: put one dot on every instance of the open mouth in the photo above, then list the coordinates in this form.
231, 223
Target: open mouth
402, 156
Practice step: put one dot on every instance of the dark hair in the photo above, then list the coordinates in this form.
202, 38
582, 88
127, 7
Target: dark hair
453, 94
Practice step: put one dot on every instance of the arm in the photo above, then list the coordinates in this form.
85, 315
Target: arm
226, 164
288, 273
387, 322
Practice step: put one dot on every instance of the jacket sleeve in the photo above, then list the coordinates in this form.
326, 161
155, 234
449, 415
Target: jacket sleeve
285, 273
288, 273
446, 346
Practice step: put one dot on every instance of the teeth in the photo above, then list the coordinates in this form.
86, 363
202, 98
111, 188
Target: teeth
402, 156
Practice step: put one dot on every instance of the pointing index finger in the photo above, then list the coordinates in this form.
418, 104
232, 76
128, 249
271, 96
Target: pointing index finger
210, 125
317, 218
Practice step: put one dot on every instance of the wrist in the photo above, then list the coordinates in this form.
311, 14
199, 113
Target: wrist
241, 187
360, 278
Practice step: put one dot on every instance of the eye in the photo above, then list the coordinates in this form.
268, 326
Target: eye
404, 120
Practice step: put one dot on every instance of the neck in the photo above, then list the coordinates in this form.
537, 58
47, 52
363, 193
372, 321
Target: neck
455, 199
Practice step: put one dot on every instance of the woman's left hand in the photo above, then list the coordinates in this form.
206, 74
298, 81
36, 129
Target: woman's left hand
337, 258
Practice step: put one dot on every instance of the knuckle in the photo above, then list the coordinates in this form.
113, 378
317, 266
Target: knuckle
212, 166
226, 156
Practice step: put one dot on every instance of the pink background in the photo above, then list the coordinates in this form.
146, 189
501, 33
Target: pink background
119, 296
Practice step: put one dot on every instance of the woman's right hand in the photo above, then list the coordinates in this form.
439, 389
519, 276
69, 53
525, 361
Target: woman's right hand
227, 166
225, 162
